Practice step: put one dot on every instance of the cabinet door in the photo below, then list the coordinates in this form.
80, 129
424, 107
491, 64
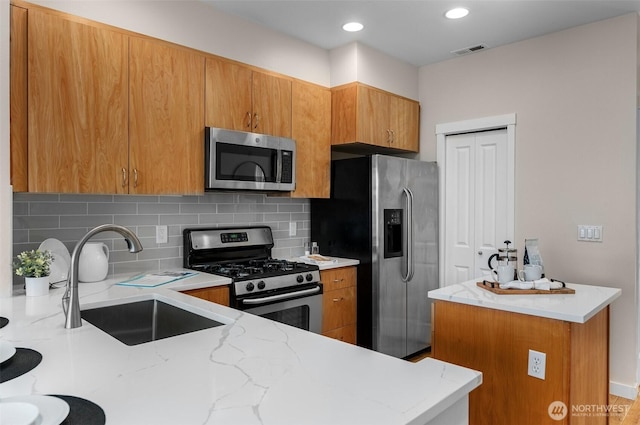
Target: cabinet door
405, 124
373, 116
77, 109
342, 277
344, 334
218, 294
339, 308
271, 105
311, 129
166, 120
228, 95
18, 100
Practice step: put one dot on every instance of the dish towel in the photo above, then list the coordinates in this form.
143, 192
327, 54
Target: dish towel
543, 284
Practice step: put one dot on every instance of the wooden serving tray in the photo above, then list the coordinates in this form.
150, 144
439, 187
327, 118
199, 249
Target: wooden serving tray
493, 287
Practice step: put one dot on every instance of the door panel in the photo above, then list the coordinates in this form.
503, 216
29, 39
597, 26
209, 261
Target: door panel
423, 182
491, 188
390, 314
476, 202
77, 126
459, 208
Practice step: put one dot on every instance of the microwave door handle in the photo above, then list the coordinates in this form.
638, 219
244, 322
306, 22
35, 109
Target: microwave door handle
279, 166
409, 235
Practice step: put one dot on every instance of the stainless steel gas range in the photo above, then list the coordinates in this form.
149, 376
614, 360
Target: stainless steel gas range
280, 290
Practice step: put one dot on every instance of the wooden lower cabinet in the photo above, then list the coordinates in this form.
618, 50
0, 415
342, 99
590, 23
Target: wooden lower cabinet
339, 303
497, 343
216, 294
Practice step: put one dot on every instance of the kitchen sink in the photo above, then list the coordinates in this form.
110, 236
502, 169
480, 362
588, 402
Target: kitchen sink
146, 320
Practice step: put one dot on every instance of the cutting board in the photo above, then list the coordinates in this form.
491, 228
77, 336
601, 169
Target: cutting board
496, 290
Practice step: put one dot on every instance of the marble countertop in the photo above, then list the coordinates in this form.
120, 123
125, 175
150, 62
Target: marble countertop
249, 371
333, 263
579, 307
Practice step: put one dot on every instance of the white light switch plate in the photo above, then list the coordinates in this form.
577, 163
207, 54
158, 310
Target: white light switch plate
589, 233
293, 228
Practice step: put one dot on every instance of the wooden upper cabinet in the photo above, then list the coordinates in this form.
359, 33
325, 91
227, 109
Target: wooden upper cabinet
18, 94
311, 129
228, 95
166, 119
373, 124
405, 122
368, 116
271, 105
239, 98
77, 106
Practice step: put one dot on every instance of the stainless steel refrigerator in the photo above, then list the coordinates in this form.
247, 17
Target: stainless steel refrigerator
383, 211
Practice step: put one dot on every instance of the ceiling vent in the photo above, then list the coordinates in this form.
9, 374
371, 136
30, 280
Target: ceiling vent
468, 50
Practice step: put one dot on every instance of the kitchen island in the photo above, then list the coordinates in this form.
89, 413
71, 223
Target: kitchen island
249, 371
494, 333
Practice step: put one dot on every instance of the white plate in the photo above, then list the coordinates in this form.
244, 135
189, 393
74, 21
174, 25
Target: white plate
53, 410
7, 351
62, 259
56, 247
18, 413
59, 269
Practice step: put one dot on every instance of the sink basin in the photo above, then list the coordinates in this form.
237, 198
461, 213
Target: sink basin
146, 320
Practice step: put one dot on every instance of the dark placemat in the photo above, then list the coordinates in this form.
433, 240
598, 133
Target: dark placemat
3, 322
22, 362
82, 411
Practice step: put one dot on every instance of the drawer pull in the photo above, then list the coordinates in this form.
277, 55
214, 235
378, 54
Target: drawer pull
335, 300
338, 280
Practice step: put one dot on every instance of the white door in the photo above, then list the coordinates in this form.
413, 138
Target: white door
476, 202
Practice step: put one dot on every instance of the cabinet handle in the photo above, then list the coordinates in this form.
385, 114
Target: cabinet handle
338, 280
388, 136
257, 120
248, 119
135, 177
124, 177
393, 136
335, 300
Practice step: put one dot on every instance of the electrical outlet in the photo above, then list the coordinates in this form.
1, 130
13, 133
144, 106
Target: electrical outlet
293, 228
537, 364
161, 234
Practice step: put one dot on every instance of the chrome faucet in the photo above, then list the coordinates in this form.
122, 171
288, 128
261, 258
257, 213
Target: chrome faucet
70, 301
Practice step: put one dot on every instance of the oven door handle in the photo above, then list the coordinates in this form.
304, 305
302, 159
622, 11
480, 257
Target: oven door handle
281, 296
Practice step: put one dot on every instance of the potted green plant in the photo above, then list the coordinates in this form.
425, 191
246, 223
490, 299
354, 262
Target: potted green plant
35, 267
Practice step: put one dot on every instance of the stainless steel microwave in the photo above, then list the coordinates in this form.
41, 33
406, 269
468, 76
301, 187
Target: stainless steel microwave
238, 160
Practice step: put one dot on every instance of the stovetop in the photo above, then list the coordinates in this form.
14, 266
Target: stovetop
255, 269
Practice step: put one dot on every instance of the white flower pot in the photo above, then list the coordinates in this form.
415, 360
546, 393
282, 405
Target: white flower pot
37, 286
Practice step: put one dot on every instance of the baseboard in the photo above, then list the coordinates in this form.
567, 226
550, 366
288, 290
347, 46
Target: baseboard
626, 391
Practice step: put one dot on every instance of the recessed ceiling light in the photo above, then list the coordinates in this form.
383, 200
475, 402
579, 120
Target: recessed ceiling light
353, 26
457, 13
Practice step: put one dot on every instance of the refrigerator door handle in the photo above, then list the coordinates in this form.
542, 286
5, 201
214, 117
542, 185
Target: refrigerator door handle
409, 235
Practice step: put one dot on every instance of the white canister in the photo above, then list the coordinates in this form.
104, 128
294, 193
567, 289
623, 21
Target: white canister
94, 262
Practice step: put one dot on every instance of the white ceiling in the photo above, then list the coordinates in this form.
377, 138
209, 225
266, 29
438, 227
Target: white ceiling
416, 31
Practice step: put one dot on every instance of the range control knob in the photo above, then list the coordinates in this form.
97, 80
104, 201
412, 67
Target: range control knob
309, 277
249, 286
300, 279
261, 284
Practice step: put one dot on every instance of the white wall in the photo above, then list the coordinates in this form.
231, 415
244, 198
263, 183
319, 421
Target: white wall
359, 62
200, 26
574, 93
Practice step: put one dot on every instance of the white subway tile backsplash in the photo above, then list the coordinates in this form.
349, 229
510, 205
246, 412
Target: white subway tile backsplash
68, 217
